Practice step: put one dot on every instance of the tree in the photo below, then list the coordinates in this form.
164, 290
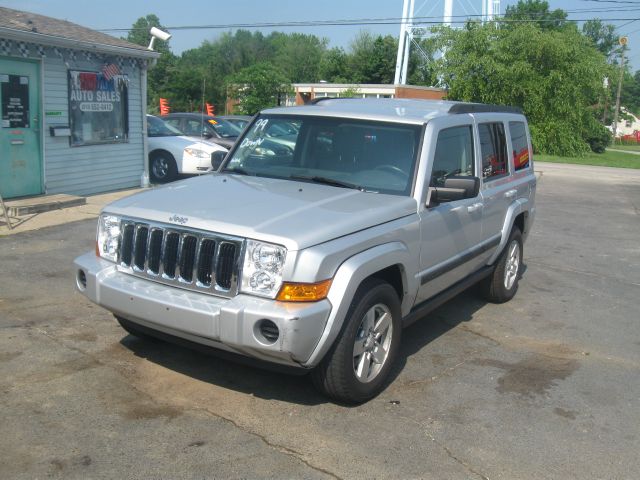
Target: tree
555, 76
334, 66
602, 35
259, 86
373, 58
298, 55
139, 33
537, 11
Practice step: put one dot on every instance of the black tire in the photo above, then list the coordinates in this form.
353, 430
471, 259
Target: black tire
162, 167
496, 287
131, 329
336, 375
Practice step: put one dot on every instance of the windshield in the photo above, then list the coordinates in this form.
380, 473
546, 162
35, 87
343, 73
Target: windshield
371, 156
159, 128
224, 128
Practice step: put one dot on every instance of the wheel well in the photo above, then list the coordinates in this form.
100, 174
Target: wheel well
160, 150
393, 276
519, 221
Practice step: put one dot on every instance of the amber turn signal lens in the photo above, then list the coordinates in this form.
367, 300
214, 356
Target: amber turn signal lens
304, 292
97, 249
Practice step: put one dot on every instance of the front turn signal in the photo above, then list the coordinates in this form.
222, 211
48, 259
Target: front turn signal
304, 292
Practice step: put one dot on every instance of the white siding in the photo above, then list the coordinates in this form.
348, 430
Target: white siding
90, 169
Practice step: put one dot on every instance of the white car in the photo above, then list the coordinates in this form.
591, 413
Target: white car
172, 153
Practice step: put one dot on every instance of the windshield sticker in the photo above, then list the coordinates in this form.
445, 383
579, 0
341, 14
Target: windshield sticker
252, 143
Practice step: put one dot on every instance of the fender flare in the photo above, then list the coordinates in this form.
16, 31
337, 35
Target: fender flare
515, 209
346, 281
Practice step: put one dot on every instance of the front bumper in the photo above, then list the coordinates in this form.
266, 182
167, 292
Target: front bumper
230, 324
194, 165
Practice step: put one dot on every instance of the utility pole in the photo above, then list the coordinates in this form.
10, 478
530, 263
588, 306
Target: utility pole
623, 43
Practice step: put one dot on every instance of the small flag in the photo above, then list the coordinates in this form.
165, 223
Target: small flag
110, 70
210, 109
164, 107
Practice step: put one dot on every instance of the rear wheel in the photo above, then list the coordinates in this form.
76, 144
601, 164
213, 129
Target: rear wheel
358, 366
502, 284
162, 167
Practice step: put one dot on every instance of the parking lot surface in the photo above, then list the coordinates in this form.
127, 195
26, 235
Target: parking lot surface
545, 386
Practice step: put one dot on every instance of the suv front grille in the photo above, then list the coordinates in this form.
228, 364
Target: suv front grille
191, 259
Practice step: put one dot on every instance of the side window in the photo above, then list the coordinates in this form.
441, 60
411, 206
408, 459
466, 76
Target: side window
193, 127
493, 146
454, 155
174, 122
520, 145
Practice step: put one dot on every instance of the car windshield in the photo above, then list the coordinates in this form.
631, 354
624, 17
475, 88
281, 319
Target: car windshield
159, 128
224, 128
367, 155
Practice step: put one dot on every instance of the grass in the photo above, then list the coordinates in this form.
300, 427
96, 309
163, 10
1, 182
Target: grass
607, 159
631, 148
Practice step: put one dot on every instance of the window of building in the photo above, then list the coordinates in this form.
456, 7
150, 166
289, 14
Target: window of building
493, 147
98, 108
520, 145
454, 155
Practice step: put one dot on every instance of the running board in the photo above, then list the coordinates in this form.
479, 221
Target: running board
434, 302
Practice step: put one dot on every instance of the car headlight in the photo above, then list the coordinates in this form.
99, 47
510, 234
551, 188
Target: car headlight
108, 239
195, 152
262, 268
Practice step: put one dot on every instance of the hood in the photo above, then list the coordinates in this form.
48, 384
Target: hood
196, 142
294, 214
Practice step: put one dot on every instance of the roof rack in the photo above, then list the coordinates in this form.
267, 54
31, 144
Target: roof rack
322, 99
482, 108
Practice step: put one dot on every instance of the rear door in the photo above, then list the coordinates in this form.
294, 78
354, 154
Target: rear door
20, 129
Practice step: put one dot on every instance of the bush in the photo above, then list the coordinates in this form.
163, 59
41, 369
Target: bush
598, 138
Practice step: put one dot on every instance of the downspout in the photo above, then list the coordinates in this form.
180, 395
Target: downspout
144, 179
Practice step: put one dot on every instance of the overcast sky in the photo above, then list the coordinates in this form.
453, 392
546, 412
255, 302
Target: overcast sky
176, 13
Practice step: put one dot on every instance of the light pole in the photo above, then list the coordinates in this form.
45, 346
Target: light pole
623, 43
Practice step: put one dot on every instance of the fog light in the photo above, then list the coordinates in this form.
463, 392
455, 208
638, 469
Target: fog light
81, 280
268, 330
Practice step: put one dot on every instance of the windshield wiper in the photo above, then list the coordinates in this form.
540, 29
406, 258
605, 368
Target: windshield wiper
327, 181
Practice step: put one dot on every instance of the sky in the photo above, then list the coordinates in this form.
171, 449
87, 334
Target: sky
121, 14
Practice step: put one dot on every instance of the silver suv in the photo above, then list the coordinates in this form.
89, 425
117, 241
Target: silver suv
314, 248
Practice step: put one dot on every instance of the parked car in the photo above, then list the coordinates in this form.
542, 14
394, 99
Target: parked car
240, 121
172, 153
207, 127
317, 261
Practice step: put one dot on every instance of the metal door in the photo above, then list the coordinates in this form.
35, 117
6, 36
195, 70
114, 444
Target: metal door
20, 129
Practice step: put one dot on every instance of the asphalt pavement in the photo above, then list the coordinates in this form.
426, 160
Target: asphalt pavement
545, 386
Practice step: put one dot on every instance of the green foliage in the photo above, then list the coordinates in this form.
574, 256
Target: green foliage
602, 35
258, 86
537, 11
555, 76
351, 93
372, 58
630, 97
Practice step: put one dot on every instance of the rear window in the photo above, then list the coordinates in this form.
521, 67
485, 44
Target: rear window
493, 146
520, 145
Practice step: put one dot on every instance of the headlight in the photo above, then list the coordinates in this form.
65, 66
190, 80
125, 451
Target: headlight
108, 237
194, 152
262, 268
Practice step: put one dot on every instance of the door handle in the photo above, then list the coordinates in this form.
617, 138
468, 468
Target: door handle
510, 193
474, 207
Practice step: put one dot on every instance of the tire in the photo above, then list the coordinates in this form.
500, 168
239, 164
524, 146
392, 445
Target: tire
502, 284
131, 329
345, 376
162, 167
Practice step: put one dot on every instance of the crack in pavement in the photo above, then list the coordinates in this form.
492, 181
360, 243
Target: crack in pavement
458, 460
280, 448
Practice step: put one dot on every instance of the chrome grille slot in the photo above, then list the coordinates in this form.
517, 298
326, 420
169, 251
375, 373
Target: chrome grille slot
140, 247
155, 251
205, 265
126, 249
171, 254
225, 264
187, 258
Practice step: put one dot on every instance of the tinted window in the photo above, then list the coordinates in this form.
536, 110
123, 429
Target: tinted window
520, 145
494, 150
454, 155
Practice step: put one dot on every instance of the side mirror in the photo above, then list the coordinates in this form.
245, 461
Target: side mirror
455, 188
217, 158
206, 133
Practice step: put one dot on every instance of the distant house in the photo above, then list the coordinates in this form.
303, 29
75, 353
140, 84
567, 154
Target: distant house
73, 104
628, 128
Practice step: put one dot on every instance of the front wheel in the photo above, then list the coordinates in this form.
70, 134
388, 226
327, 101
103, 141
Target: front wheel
502, 284
162, 167
358, 366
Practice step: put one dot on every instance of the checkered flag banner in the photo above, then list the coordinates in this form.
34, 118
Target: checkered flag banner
88, 56
57, 52
5, 46
72, 55
41, 51
120, 63
23, 49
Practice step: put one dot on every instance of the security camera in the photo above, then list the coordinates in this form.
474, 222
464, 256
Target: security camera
157, 33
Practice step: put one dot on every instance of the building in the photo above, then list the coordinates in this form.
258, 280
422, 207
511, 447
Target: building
305, 92
73, 104
628, 127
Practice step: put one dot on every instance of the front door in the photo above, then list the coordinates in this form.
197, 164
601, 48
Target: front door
21, 123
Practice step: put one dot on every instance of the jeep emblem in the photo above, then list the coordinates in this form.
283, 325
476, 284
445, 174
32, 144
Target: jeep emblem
177, 219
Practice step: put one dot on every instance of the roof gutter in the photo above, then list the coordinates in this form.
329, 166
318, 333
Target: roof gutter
56, 41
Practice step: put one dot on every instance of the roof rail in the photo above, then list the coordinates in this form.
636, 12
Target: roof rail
482, 108
322, 99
